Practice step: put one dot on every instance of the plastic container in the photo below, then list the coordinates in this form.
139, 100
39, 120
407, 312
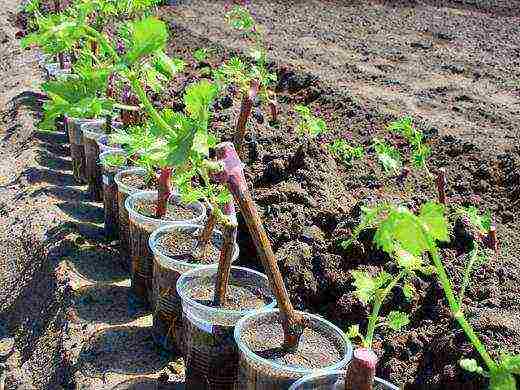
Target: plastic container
75, 128
123, 192
102, 143
167, 323
334, 380
211, 352
92, 169
110, 204
53, 70
141, 227
263, 374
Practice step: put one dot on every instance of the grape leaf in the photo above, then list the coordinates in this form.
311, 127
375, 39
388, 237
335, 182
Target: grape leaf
397, 320
432, 217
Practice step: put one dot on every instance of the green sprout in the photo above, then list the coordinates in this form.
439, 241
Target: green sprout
398, 229
420, 152
309, 125
388, 156
115, 160
345, 152
201, 54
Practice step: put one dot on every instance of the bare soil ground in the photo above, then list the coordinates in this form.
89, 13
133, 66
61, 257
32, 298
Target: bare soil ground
453, 65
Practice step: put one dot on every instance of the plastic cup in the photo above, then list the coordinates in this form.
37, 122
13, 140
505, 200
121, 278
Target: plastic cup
123, 192
211, 351
110, 204
75, 127
260, 373
334, 380
141, 227
167, 317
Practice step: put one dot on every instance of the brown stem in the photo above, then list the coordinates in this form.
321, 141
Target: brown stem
245, 113
224, 264
361, 370
493, 240
441, 185
163, 191
207, 232
273, 108
233, 175
61, 60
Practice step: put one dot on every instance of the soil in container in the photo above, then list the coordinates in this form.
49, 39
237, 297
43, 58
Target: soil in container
176, 252
266, 365
211, 351
110, 204
142, 223
128, 182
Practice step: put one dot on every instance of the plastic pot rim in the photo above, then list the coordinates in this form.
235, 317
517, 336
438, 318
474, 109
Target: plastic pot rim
106, 153
198, 206
103, 141
200, 306
318, 375
152, 243
302, 371
122, 186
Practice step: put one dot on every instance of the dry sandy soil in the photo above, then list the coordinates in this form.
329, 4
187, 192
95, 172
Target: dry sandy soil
453, 65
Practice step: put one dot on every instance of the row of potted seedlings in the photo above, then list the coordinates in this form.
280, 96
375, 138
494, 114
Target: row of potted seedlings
168, 240
172, 208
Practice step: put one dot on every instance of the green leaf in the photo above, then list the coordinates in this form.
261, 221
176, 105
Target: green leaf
502, 381
408, 290
148, 36
511, 364
408, 261
397, 320
471, 365
432, 217
169, 67
388, 156
365, 286
200, 54
198, 99
353, 332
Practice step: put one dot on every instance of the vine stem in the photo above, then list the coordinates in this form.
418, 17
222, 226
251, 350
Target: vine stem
454, 306
140, 92
380, 298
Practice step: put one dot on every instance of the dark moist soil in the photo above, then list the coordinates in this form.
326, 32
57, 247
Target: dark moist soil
361, 65
183, 244
237, 298
174, 212
138, 182
314, 351
453, 65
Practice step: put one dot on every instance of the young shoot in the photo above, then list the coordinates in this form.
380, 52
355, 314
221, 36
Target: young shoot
400, 229
309, 126
115, 160
479, 225
201, 55
346, 153
388, 156
252, 80
420, 152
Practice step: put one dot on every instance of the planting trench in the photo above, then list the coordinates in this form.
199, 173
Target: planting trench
65, 298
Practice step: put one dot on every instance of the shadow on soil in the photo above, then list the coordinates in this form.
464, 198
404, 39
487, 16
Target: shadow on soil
34, 307
148, 384
122, 349
110, 304
96, 263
